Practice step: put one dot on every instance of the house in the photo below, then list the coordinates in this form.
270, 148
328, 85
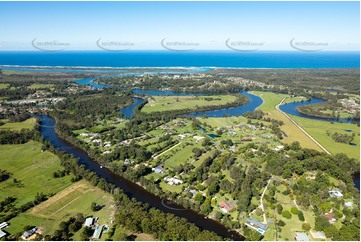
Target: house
198, 138
335, 193
89, 222
318, 234
278, 148
127, 162
4, 225
226, 207
158, 170
247, 138
301, 236
330, 216
28, 233
181, 136
2, 233
173, 180
256, 225
179, 122
348, 204
84, 134
97, 232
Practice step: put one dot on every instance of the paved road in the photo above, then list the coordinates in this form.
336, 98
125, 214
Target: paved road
304, 131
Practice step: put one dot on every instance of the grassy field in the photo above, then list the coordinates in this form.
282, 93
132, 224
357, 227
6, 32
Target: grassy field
293, 224
27, 124
167, 103
318, 130
270, 100
33, 169
41, 86
76, 198
180, 157
3, 86
222, 122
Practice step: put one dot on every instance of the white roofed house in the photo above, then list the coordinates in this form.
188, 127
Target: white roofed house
335, 193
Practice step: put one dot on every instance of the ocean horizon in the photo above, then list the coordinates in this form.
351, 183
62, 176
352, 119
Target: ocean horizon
188, 59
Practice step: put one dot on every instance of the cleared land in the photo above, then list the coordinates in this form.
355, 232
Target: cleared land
32, 169
3, 86
318, 129
27, 124
169, 103
76, 198
41, 86
292, 131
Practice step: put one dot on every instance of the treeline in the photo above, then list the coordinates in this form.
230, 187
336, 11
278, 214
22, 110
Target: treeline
18, 137
343, 138
347, 79
136, 216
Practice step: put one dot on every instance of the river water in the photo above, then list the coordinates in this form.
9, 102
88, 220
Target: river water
47, 129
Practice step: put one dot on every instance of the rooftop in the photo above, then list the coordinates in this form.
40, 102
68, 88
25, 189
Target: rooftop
256, 223
301, 236
98, 232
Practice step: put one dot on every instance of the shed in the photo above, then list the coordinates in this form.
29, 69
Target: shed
301, 236
88, 222
2, 234
98, 232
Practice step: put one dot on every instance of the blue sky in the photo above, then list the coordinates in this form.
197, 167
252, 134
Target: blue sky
201, 25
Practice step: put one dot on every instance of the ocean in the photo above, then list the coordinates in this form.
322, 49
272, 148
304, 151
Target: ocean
230, 59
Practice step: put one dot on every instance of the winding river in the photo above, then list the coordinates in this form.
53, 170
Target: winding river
47, 129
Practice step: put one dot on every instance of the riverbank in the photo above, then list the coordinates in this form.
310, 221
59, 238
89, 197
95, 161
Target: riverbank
47, 129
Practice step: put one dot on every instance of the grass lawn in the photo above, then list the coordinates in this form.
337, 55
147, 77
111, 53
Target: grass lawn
293, 224
33, 169
27, 124
318, 129
180, 157
3, 86
76, 198
171, 188
167, 103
